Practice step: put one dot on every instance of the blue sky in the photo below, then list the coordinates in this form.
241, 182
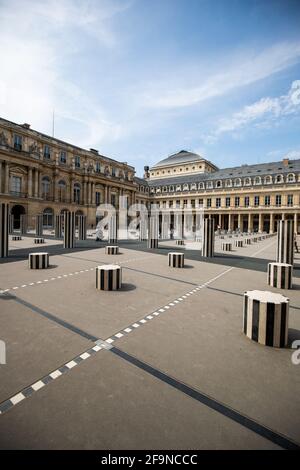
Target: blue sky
141, 79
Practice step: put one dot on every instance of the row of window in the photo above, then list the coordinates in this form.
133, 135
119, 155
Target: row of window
238, 201
175, 170
17, 143
258, 180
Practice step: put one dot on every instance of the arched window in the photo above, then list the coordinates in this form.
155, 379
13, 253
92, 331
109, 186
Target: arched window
291, 178
247, 181
257, 180
279, 179
76, 193
62, 187
201, 186
48, 217
228, 183
46, 186
219, 184
268, 179
237, 182
185, 187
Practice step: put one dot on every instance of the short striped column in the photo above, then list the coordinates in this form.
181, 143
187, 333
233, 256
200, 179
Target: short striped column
16, 238
265, 318
58, 226
176, 260
238, 243
254, 239
112, 229
208, 238
112, 250
38, 241
4, 212
38, 260
108, 277
222, 237
23, 224
226, 246
248, 241
280, 275
11, 224
69, 229
180, 242
81, 227
39, 225
285, 242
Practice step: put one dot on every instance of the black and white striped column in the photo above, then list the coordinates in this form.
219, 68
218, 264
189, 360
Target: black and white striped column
4, 222
153, 232
108, 277
69, 229
112, 229
112, 250
248, 241
58, 226
285, 242
176, 260
226, 246
81, 227
16, 238
23, 224
11, 224
38, 260
265, 318
39, 241
180, 242
280, 275
208, 238
238, 243
143, 229
39, 225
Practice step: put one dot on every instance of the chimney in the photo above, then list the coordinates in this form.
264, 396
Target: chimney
146, 172
285, 162
26, 125
94, 151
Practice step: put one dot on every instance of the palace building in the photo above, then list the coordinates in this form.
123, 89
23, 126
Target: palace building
247, 197
40, 174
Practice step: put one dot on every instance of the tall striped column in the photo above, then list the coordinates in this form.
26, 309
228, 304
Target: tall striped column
81, 227
112, 229
265, 318
280, 275
69, 229
153, 232
58, 226
23, 224
285, 242
11, 224
143, 229
4, 212
165, 224
208, 238
39, 225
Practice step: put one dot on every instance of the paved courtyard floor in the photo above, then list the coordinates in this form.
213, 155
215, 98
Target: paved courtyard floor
160, 364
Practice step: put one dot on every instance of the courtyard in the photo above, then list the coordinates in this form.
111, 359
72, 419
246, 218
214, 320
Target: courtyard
161, 363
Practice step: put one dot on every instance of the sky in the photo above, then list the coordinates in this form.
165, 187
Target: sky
140, 80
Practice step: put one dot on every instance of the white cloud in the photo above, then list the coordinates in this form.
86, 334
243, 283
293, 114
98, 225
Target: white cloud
38, 41
263, 113
245, 69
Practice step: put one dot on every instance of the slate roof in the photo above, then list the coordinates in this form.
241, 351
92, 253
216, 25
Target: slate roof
261, 169
181, 157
